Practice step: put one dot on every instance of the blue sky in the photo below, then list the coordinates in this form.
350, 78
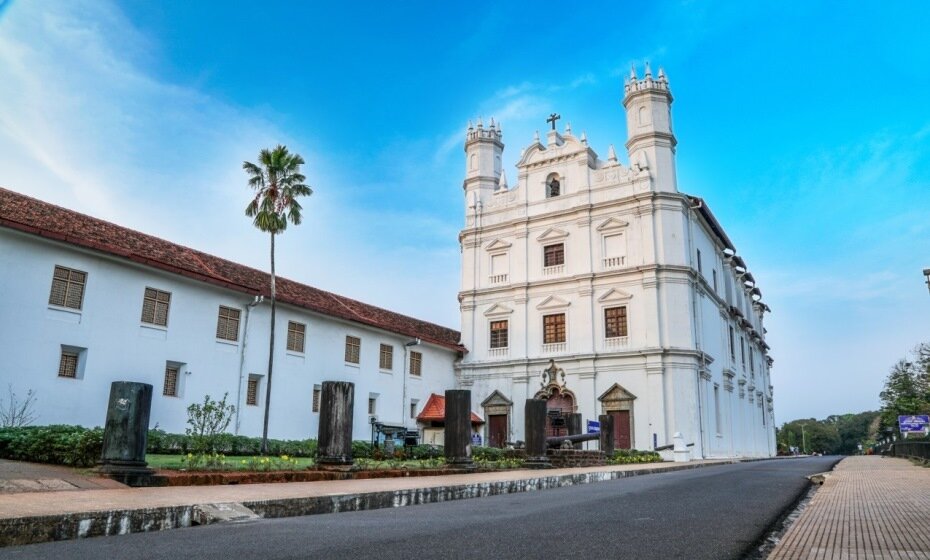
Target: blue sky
805, 126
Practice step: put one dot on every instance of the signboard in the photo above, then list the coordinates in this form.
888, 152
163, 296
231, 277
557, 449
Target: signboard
594, 427
914, 423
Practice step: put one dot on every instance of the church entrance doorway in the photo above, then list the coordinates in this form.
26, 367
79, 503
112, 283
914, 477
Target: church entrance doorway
497, 430
622, 436
558, 406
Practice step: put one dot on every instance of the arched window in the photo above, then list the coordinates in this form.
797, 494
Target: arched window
553, 186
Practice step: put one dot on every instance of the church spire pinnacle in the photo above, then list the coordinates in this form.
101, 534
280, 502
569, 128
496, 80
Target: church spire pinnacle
611, 154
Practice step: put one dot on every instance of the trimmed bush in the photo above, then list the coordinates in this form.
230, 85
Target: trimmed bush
628, 456
58, 444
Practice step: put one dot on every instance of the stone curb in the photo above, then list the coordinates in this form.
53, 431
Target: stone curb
37, 529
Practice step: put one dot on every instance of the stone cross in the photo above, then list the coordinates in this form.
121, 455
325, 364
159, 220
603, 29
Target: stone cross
552, 118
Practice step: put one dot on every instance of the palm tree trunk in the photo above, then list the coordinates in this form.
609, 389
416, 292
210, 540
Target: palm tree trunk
264, 448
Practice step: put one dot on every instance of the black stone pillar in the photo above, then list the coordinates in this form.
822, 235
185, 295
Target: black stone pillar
457, 442
573, 423
607, 433
535, 434
125, 434
337, 405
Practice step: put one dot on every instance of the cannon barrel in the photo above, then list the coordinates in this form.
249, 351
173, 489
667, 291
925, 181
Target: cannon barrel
556, 441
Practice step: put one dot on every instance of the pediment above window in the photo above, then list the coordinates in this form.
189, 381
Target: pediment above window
612, 224
616, 393
614, 295
552, 234
497, 245
553, 302
498, 310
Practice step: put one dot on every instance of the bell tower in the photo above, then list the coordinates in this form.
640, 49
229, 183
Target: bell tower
650, 140
483, 149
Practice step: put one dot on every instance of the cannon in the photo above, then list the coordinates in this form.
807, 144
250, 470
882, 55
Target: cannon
556, 441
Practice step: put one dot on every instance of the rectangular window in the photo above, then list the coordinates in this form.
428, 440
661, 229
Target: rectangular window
554, 255
742, 350
67, 288
700, 265
752, 361
227, 324
251, 391
372, 404
413, 408
171, 381
317, 389
732, 346
715, 280
155, 307
615, 322
68, 365
717, 409
416, 363
387, 357
295, 336
499, 264
499, 334
353, 349
554, 328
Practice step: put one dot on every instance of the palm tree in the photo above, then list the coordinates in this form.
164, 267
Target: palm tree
277, 182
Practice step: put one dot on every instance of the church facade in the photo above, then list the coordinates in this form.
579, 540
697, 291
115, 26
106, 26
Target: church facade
603, 289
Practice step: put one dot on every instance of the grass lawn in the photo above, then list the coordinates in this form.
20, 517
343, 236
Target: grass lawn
232, 463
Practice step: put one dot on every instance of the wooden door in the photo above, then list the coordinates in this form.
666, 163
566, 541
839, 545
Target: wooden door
622, 437
497, 430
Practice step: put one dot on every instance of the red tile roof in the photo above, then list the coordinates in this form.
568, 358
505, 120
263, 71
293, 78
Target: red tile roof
40, 218
435, 411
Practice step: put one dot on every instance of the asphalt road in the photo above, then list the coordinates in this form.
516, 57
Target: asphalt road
714, 513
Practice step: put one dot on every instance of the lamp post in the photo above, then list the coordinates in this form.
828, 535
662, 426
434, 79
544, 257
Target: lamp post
927, 276
803, 439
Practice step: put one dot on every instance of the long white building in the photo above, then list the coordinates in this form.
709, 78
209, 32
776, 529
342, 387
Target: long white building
87, 302
602, 288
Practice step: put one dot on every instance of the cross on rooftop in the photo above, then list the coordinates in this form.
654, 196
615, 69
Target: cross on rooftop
552, 118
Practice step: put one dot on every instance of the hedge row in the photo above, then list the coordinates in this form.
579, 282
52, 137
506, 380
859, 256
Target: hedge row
58, 444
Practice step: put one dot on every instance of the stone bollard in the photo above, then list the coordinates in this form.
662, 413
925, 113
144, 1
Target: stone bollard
337, 406
457, 443
607, 434
125, 434
535, 434
682, 454
573, 423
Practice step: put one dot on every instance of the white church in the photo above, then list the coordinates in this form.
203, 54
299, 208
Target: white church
595, 285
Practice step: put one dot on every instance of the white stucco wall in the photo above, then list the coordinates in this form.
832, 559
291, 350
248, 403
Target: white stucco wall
120, 348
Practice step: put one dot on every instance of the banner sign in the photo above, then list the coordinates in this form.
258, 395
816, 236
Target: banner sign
594, 427
914, 423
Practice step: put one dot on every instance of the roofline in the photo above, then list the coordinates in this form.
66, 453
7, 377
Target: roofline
214, 280
711, 220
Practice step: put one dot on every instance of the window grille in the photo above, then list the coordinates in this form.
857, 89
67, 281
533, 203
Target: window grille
499, 334
615, 324
155, 307
353, 349
171, 382
67, 288
295, 336
227, 324
416, 363
316, 398
554, 328
67, 367
251, 392
554, 255
386, 360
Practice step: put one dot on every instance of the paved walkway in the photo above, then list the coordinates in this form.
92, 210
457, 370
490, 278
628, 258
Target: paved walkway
17, 476
868, 508
58, 503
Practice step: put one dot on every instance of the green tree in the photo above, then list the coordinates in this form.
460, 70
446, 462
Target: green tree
207, 421
278, 183
907, 387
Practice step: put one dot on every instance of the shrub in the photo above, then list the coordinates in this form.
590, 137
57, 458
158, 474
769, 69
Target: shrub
207, 421
361, 449
628, 456
58, 444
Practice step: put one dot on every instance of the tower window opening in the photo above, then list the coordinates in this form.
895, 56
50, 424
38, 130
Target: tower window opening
553, 187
